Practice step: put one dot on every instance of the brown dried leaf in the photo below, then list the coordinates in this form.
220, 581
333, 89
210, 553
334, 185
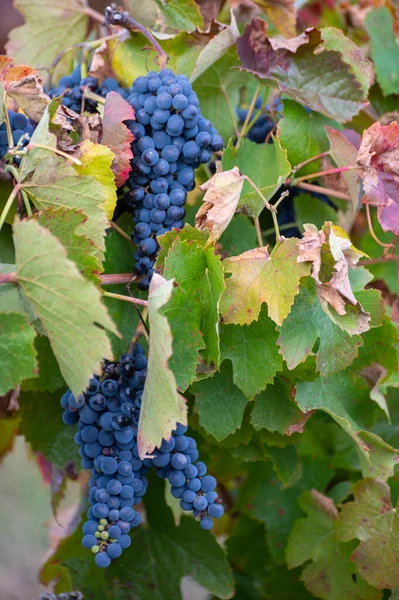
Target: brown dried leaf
100, 66
222, 193
22, 85
282, 14
379, 156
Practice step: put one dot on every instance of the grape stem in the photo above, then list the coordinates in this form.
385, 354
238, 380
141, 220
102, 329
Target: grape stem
258, 232
309, 160
118, 278
269, 206
130, 299
123, 19
372, 232
8, 277
326, 172
141, 330
378, 260
120, 231
310, 187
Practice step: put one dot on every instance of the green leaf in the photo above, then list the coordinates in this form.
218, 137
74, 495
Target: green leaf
193, 311
217, 48
373, 520
302, 134
275, 410
263, 497
253, 352
162, 406
49, 28
41, 425
239, 236
219, 403
321, 69
265, 164
218, 90
331, 575
18, 356
309, 209
49, 377
258, 277
153, 565
346, 399
307, 323
180, 14
63, 223
69, 307
384, 49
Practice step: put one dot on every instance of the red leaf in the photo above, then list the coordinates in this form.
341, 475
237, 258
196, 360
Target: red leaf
117, 136
379, 156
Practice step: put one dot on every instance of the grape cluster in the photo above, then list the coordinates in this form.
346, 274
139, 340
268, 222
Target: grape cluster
20, 126
172, 139
63, 596
72, 88
107, 414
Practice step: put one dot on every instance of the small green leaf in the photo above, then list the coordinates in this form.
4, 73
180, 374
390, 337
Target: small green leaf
253, 352
302, 134
336, 396
69, 307
331, 574
307, 323
373, 520
384, 49
219, 403
49, 28
180, 14
265, 164
193, 311
162, 406
43, 429
258, 277
275, 410
18, 356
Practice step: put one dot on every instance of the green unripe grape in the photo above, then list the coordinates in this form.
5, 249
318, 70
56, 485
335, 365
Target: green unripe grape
104, 535
101, 528
112, 540
103, 522
97, 534
95, 549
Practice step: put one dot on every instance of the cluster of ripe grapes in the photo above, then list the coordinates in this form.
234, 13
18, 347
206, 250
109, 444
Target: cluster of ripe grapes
107, 415
21, 127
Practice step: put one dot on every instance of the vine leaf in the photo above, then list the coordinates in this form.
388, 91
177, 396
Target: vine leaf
22, 85
222, 193
18, 355
96, 162
118, 137
330, 575
49, 28
69, 307
265, 164
384, 49
332, 255
217, 48
322, 69
379, 156
373, 520
257, 277
193, 310
282, 14
335, 395
344, 153
63, 223
49, 377
162, 407
219, 403
253, 351
180, 14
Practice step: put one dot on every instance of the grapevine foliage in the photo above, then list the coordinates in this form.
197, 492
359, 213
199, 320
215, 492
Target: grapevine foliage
199, 211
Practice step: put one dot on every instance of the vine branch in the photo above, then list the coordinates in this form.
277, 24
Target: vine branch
8, 277
118, 278
137, 301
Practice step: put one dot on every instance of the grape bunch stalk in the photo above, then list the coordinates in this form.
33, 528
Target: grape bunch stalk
108, 414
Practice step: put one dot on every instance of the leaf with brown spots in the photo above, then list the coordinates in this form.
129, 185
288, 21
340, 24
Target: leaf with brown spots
373, 520
23, 86
330, 574
222, 193
257, 277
